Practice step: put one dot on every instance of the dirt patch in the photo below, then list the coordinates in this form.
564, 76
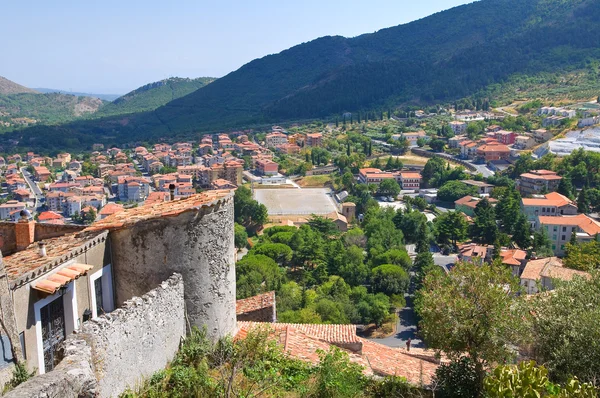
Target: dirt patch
314, 181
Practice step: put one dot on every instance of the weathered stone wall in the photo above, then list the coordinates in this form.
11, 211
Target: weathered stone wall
142, 337
197, 244
47, 231
117, 350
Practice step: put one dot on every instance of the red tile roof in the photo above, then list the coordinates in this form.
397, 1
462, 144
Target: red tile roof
255, 303
61, 278
27, 264
586, 224
303, 341
129, 217
49, 215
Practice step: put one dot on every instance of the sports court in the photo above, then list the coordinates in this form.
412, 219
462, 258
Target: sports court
296, 201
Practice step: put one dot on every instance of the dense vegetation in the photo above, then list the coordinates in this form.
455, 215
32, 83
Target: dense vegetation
153, 95
51, 108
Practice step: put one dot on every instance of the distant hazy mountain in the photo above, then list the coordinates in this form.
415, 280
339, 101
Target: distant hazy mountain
446, 56
10, 87
153, 95
105, 97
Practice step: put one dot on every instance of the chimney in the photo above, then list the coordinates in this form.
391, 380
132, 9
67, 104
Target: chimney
42, 247
24, 231
172, 191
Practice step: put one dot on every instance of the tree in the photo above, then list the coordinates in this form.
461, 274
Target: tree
566, 337
435, 165
454, 190
484, 228
389, 187
481, 315
256, 274
325, 226
389, 279
522, 232
398, 257
90, 216
565, 187
542, 245
240, 236
353, 269
437, 145
458, 379
508, 209
450, 228
583, 203
279, 252
247, 211
583, 256
420, 142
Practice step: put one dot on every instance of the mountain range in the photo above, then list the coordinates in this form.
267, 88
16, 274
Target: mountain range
105, 97
446, 56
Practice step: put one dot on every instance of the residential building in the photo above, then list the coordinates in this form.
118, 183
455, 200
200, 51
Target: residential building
483, 188
371, 175
505, 137
267, 167
458, 127
541, 135
50, 217
467, 204
560, 229
538, 275
8, 208
515, 259
42, 174
133, 189
314, 139
410, 180
538, 182
274, 139
473, 252
523, 142
413, 137
456, 140
493, 151
552, 204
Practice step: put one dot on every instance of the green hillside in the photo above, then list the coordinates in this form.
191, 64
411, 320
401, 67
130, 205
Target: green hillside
452, 54
153, 95
25, 108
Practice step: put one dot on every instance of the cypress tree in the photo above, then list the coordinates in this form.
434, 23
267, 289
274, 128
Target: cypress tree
337, 122
348, 148
583, 202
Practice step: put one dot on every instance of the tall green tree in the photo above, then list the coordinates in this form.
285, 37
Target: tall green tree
542, 245
522, 232
450, 228
481, 315
566, 337
565, 187
389, 279
583, 202
484, 228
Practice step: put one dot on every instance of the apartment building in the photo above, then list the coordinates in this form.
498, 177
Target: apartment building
538, 181
560, 229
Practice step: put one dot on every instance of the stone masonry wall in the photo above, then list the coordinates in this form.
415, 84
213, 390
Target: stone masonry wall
199, 245
117, 350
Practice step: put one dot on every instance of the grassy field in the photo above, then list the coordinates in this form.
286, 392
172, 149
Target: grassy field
314, 181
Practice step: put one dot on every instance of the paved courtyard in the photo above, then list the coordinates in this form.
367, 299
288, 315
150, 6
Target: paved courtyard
304, 201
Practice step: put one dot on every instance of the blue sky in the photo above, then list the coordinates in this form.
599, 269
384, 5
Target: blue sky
114, 46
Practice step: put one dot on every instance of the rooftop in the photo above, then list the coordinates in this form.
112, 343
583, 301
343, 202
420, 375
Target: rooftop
551, 199
551, 267
303, 341
586, 224
155, 210
28, 264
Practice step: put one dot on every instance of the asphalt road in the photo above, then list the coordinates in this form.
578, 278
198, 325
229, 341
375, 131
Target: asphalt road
33, 186
407, 319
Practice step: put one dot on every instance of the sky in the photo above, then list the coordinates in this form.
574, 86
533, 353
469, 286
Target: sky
115, 46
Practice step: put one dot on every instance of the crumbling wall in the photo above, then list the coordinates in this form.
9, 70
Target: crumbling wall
47, 231
117, 350
199, 245
8, 238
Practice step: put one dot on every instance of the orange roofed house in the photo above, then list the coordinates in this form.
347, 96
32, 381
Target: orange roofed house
560, 229
538, 274
538, 182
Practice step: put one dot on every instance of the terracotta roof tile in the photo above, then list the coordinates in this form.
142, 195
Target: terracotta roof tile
303, 341
58, 250
159, 209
